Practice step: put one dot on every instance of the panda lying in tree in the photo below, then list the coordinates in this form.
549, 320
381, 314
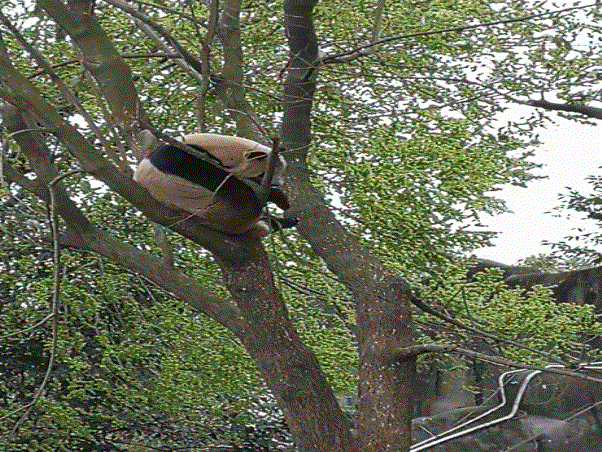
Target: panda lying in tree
221, 190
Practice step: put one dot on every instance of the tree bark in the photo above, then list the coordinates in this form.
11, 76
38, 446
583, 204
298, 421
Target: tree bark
290, 368
585, 110
383, 315
231, 89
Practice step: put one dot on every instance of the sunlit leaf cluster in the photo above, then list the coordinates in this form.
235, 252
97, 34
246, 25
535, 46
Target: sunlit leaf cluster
408, 145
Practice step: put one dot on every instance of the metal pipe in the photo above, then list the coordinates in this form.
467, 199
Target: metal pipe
448, 435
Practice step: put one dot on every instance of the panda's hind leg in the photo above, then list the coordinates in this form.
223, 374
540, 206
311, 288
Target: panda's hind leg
260, 229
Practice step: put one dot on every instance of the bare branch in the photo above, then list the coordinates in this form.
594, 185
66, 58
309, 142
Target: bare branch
414, 350
124, 56
29, 328
586, 110
56, 286
192, 61
360, 51
178, 144
484, 334
180, 61
173, 11
266, 181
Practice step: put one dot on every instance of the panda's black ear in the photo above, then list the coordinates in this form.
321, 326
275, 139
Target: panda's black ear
278, 197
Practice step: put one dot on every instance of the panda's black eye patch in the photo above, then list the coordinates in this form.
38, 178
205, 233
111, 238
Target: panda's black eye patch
257, 155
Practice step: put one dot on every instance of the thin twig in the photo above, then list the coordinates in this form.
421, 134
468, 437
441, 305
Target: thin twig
268, 175
29, 328
56, 280
415, 350
180, 61
174, 11
178, 144
191, 60
362, 50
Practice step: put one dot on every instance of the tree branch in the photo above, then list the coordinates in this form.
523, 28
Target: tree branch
232, 91
383, 314
56, 286
206, 42
484, 334
173, 11
591, 112
67, 94
27, 98
192, 61
180, 61
360, 51
378, 16
266, 181
99, 57
86, 236
415, 350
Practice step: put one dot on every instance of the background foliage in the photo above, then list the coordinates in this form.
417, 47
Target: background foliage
407, 146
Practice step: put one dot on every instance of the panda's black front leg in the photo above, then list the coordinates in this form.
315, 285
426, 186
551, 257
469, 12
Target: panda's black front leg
278, 197
278, 224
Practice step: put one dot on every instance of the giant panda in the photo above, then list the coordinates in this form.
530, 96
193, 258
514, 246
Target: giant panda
222, 190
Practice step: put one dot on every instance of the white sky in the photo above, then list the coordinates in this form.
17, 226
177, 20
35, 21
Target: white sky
569, 152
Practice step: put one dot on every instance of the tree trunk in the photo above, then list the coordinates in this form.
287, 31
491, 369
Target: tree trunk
289, 367
231, 86
383, 314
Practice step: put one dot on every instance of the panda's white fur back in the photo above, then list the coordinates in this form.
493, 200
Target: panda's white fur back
245, 158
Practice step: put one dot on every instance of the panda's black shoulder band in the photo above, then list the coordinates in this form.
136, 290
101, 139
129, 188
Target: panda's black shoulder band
172, 160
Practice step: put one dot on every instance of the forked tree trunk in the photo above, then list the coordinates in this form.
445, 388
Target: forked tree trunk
289, 367
382, 299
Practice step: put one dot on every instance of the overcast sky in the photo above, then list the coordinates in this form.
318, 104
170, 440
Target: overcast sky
569, 152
